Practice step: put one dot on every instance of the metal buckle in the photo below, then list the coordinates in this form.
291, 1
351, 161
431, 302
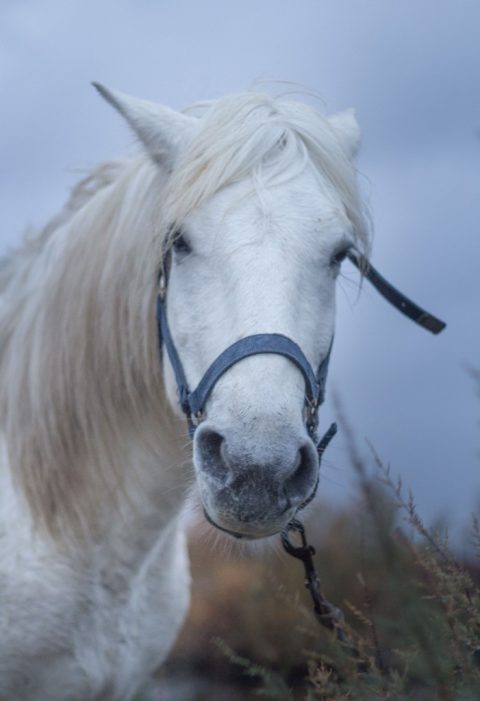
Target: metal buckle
162, 286
194, 420
311, 414
198, 417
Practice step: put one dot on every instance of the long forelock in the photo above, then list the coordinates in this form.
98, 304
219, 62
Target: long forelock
267, 139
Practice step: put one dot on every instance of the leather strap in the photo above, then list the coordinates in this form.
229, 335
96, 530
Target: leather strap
253, 345
193, 403
394, 296
165, 336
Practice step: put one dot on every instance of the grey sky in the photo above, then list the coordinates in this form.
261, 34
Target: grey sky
411, 69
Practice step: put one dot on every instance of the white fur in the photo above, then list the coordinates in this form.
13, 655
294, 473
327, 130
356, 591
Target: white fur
93, 476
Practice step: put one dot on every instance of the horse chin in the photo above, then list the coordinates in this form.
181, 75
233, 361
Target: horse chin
247, 531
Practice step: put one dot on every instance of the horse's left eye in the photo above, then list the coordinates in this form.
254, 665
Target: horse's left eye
339, 257
181, 245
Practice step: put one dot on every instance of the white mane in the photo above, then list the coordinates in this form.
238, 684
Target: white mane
79, 364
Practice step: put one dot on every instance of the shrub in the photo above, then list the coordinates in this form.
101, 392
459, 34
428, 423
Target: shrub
412, 609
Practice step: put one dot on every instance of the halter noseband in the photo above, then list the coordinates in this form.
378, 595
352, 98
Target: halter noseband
193, 402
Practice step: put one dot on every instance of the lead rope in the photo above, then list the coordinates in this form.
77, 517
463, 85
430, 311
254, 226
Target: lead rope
326, 613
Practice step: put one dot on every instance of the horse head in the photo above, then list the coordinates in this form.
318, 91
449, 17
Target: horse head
261, 207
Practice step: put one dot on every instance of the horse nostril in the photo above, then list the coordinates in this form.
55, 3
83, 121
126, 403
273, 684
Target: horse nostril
303, 477
277, 474
210, 447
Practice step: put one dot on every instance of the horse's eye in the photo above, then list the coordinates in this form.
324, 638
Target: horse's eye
181, 245
339, 257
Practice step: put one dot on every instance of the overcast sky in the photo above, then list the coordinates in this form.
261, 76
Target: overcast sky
412, 71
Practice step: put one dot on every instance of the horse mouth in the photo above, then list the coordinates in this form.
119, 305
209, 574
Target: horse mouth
221, 528
268, 534
237, 534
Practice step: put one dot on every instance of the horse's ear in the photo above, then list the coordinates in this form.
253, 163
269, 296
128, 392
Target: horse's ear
347, 129
162, 131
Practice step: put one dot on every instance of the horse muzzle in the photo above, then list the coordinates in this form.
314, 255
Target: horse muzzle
252, 485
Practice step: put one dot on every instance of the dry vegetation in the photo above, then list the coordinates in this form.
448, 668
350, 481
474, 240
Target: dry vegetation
412, 610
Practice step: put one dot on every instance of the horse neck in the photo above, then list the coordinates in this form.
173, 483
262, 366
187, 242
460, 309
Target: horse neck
79, 366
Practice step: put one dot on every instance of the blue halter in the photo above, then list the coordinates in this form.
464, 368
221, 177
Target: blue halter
193, 402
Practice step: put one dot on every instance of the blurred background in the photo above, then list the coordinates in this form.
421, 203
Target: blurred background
411, 70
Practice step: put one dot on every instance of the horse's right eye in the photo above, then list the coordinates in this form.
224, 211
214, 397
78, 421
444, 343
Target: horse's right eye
181, 245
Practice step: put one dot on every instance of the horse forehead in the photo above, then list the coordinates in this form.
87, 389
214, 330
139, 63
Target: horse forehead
306, 194
244, 212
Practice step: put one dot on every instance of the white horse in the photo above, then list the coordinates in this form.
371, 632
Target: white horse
261, 195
